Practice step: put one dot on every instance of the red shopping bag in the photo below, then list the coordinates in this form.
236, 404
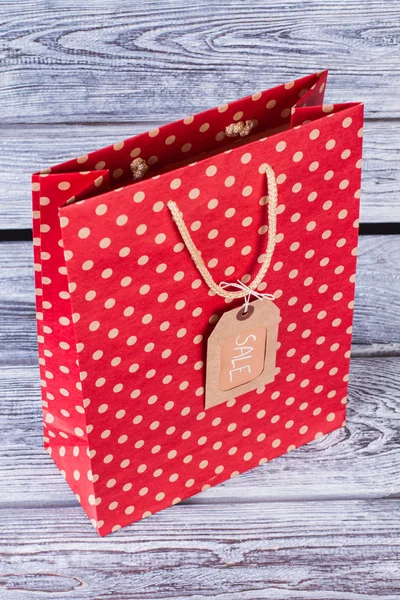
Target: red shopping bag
126, 304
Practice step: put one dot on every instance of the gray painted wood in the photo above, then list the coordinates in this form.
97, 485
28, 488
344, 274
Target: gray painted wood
25, 149
343, 550
376, 315
96, 61
360, 461
321, 523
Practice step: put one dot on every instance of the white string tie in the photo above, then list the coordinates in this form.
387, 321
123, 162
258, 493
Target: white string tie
239, 285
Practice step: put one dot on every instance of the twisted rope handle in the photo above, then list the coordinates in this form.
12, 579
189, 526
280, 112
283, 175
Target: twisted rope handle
177, 216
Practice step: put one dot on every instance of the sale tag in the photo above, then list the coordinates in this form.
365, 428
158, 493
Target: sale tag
241, 352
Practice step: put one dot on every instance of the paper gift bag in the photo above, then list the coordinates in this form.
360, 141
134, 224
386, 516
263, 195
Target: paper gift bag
148, 254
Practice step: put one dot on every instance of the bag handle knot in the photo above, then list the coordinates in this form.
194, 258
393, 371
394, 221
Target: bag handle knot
239, 128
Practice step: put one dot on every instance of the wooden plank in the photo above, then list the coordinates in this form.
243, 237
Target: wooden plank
96, 62
26, 149
303, 551
376, 318
357, 462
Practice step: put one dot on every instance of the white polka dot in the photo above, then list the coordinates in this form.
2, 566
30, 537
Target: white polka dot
247, 221
144, 289
281, 178
160, 238
194, 193
122, 220
125, 251
142, 260
138, 197
141, 229
87, 265
106, 274
246, 158
175, 184
105, 243
195, 226
314, 134
101, 209
280, 146
229, 181
347, 122
270, 104
297, 156
84, 233
247, 191
211, 170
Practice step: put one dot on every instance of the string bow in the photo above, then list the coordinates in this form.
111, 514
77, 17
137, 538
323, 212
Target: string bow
239, 285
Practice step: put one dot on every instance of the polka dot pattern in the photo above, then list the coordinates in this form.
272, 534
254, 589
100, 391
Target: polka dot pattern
123, 326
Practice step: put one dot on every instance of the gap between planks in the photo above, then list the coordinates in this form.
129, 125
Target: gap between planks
147, 122
200, 500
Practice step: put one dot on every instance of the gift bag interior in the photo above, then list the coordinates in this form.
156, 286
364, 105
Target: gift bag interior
194, 138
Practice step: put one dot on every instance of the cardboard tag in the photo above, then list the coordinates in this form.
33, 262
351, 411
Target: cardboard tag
241, 352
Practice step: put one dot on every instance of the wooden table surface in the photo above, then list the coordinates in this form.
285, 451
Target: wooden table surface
322, 523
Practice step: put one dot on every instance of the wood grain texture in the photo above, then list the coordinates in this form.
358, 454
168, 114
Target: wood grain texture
292, 551
361, 461
25, 149
123, 62
376, 315
321, 523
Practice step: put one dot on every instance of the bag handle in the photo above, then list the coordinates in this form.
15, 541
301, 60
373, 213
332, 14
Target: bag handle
220, 288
